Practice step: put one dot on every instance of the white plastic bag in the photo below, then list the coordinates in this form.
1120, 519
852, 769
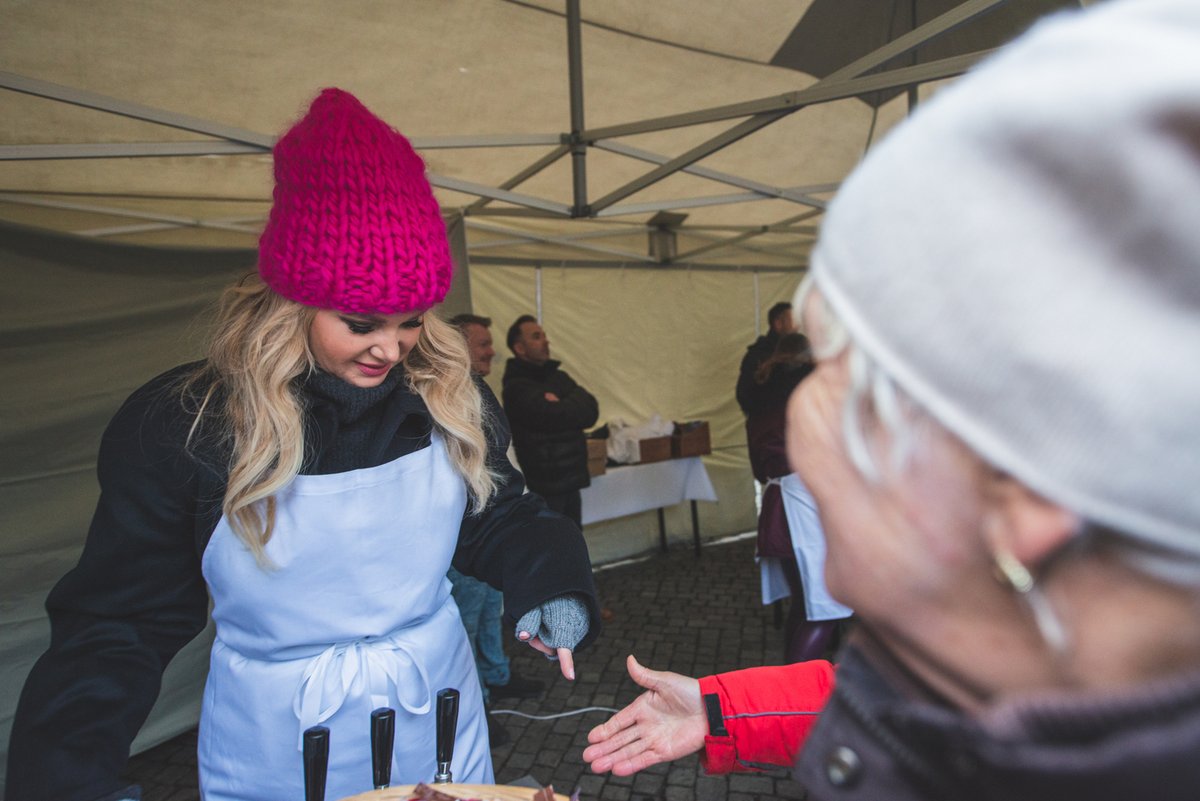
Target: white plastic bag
623, 438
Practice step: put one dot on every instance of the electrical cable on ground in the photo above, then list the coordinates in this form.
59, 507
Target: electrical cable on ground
552, 717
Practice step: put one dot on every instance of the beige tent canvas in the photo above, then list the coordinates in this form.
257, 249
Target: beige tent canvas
150, 123
648, 178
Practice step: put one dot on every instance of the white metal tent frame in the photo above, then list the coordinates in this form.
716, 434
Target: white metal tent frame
847, 82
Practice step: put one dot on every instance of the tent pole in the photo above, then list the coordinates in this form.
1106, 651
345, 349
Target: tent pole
624, 264
575, 76
537, 284
530, 236
796, 194
757, 301
912, 57
749, 234
80, 97
518, 179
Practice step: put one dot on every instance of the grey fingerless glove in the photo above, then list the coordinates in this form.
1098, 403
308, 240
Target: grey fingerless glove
560, 622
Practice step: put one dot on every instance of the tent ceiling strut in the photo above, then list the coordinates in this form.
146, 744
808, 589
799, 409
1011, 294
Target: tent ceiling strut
795, 194
914, 38
524, 175
80, 97
545, 238
598, 264
172, 220
731, 241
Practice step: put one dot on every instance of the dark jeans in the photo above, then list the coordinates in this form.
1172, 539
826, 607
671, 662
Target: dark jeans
480, 606
566, 503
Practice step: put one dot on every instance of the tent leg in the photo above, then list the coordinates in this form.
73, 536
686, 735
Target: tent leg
695, 528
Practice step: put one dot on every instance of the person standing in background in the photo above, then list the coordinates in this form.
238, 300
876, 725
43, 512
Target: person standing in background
548, 412
480, 604
775, 380
779, 322
477, 331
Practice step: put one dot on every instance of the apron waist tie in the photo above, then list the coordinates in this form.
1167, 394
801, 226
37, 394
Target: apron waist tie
375, 664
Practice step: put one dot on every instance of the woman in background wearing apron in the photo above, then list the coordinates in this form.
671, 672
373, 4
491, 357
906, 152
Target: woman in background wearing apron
316, 475
776, 378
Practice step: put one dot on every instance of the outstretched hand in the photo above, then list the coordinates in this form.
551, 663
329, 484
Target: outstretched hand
565, 656
555, 627
664, 723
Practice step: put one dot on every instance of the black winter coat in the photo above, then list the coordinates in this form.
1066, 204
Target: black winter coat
548, 435
750, 394
882, 735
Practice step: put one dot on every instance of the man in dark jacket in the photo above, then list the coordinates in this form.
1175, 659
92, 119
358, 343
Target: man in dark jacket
548, 412
779, 322
481, 605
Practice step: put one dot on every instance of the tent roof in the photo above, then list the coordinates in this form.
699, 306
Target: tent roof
151, 123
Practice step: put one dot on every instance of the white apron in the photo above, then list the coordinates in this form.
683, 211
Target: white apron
356, 614
808, 543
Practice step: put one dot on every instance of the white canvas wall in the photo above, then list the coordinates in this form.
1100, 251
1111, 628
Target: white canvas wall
81, 326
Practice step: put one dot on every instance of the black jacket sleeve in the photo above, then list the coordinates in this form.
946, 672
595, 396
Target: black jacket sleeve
745, 382
575, 409
134, 599
519, 546
751, 396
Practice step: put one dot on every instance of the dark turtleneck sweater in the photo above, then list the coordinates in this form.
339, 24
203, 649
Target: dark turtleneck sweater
355, 427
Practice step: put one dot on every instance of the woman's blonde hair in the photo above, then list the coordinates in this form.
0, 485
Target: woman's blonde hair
439, 370
248, 398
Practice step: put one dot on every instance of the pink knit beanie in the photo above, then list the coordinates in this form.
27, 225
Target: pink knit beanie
354, 226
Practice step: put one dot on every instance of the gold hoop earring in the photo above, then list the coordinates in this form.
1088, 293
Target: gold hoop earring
1010, 571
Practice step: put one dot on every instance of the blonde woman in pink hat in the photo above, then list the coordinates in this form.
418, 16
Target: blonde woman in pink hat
315, 476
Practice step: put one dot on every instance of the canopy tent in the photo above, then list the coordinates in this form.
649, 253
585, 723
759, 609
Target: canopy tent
647, 177
149, 123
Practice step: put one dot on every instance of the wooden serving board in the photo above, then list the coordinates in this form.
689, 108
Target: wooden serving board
487, 792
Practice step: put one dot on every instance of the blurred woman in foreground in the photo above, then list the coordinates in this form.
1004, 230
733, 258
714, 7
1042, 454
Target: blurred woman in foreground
1003, 440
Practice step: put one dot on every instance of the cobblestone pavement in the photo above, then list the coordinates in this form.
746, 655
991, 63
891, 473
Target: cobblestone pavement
674, 611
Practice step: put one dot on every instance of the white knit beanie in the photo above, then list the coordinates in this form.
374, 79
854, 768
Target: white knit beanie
1022, 257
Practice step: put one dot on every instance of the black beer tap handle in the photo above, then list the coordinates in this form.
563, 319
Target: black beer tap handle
316, 762
447, 726
383, 737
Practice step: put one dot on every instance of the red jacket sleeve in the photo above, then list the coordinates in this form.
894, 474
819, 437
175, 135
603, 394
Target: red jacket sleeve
764, 714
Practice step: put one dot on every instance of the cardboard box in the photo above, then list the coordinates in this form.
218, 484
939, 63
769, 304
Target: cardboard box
597, 456
654, 449
691, 439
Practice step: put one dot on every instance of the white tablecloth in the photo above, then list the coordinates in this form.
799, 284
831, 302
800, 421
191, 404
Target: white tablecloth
630, 489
